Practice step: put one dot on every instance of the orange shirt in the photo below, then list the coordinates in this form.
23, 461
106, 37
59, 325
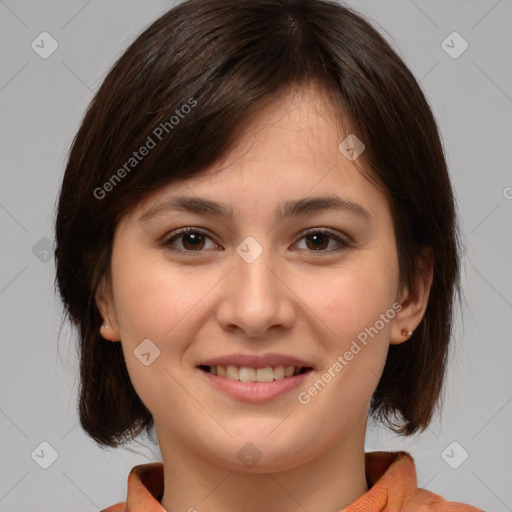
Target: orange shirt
392, 477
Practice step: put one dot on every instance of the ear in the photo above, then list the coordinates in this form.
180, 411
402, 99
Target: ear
414, 301
110, 328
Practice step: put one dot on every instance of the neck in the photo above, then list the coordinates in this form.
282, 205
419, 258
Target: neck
329, 482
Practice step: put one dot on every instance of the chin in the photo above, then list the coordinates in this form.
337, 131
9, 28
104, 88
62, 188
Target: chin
258, 452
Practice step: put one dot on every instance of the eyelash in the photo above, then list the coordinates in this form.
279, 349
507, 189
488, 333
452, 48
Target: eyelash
344, 244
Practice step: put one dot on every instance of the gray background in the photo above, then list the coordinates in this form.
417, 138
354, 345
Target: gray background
42, 102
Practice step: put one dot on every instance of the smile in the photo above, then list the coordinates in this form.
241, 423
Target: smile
249, 384
249, 374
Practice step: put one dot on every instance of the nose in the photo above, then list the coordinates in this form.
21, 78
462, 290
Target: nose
256, 298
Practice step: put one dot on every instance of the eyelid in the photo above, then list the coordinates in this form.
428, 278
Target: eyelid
327, 231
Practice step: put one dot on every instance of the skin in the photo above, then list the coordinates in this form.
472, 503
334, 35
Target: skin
292, 299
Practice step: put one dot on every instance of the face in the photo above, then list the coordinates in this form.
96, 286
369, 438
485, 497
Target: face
270, 291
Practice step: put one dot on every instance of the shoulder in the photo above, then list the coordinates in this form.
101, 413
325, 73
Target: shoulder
394, 486
144, 489
426, 501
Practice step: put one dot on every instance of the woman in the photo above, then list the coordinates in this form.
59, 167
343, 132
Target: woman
256, 238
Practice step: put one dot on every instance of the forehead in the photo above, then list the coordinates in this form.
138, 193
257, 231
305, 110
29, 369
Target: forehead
290, 143
304, 121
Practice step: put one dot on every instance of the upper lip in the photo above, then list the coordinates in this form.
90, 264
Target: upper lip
255, 360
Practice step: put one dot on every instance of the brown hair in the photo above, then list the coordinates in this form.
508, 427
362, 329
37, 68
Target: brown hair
223, 58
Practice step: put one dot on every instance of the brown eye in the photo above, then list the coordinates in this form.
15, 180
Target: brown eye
192, 240
318, 240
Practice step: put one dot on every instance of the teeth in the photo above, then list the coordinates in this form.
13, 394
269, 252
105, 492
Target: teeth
265, 374
233, 373
289, 370
278, 372
246, 374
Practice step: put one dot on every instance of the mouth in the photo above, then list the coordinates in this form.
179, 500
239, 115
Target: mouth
255, 377
250, 374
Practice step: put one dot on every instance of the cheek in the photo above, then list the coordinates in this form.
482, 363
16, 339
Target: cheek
155, 303
164, 303
153, 296
356, 344
353, 299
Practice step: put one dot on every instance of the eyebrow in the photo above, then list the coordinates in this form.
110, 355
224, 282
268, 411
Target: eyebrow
289, 209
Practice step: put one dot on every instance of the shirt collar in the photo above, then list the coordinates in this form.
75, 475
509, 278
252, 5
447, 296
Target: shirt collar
391, 478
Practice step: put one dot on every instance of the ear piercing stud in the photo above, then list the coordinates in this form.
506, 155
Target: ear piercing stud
405, 332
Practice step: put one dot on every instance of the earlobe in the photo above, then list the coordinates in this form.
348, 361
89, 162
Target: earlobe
109, 333
414, 301
109, 329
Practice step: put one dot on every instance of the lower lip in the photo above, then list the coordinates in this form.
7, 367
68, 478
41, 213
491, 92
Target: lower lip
255, 391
